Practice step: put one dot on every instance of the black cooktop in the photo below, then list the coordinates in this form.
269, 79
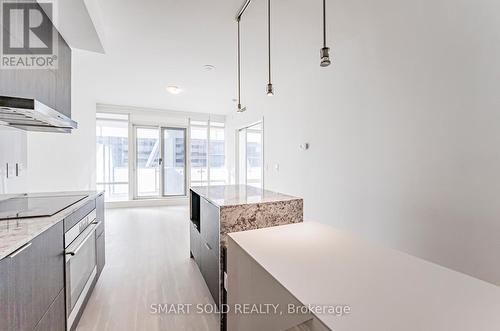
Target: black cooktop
36, 206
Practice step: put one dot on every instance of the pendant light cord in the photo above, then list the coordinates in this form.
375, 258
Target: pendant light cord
269, 36
324, 23
239, 83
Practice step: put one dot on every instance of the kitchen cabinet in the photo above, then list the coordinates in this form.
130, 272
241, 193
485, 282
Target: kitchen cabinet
35, 277
209, 215
63, 79
204, 242
195, 240
100, 234
101, 253
210, 270
99, 209
54, 319
50, 86
4, 294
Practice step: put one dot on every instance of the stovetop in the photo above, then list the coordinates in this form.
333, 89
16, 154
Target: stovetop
36, 206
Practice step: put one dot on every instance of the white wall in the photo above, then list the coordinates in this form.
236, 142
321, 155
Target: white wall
403, 128
66, 162
13, 145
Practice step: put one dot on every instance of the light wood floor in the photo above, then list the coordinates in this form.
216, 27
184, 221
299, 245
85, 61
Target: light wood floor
147, 262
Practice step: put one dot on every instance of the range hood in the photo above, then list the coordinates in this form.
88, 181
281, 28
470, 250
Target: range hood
32, 115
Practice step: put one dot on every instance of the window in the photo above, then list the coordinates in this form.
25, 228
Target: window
217, 155
208, 157
199, 150
250, 155
112, 155
174, 161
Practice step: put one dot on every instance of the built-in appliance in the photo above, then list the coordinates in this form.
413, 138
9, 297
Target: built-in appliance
36, 206
32, 115
81, 264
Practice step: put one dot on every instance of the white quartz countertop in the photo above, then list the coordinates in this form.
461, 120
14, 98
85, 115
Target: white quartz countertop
385, 289
14, 233
231, 195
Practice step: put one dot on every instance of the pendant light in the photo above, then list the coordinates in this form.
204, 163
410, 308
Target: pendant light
325, 56
240, 109
270, 91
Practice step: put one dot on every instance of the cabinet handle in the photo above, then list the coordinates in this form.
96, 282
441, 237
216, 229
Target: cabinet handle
20, 250
208, 246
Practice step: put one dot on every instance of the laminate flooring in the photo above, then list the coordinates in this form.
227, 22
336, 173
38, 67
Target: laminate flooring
147, 263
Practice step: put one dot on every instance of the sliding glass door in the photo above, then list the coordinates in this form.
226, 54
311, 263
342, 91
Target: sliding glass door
160, 161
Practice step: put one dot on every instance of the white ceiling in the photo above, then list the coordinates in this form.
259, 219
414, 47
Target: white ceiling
151, 44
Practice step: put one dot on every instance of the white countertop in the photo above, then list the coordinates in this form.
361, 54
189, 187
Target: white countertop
386, 290
16, 232
232, 195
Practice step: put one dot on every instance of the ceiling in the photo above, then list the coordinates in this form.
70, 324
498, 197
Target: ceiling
151, 44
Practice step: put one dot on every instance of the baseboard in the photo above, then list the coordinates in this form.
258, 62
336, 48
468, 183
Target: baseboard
177, 201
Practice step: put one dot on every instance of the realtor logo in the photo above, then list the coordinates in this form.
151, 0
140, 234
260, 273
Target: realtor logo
28, 38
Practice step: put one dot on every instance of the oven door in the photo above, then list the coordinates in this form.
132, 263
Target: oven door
81, 270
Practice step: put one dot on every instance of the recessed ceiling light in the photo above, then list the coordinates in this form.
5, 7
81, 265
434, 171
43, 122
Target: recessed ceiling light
173, 89
209, 67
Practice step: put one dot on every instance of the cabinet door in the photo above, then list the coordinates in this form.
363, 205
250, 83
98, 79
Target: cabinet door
194, 242
99, 209
4, 295
210, 224
63, 78
101, 253
210, 270
36, 277
55, 318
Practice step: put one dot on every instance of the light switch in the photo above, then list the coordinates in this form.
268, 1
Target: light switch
11, 170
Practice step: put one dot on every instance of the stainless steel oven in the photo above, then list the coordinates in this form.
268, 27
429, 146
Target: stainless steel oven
81, 263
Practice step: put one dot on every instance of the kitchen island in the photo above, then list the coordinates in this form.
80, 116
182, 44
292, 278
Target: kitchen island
348, 284
216, 211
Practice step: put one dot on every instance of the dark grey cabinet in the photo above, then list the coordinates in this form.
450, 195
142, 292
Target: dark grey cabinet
194, 241
101, 253
99, 210
54, 319
50, 86
63, 79
210, 270
4, 294
209, 219
205, 246
100, 234
35, 277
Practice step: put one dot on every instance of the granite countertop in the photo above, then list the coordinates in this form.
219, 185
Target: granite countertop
233, 195
14, 233
385, 289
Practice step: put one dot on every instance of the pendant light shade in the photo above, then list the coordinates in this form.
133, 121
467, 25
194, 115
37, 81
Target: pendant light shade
325, 51
240, 109
270, 90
